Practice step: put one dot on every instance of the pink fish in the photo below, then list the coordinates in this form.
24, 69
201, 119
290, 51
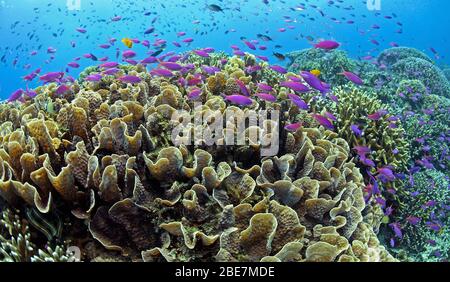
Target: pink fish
15, 95
201, 53
264, 87
81, 30
298, 101
266, 97
128, 54
278, 69
130, 79
116, 18
194, 94
250, 45
62, 89
323, 121
94, 77
242, 87
296, 86
327, 45
161, 72
108, 65
239, 100
352, 77
73, 65
293, 127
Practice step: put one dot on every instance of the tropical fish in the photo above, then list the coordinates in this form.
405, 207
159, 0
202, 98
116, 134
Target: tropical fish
239, 100
130, 79
323, 121
327, 45
352, 77
127, 42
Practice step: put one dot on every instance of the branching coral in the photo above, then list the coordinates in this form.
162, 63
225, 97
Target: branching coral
16, 243
384, 136
425, 219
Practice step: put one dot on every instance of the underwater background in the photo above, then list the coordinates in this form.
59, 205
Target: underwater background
88, 168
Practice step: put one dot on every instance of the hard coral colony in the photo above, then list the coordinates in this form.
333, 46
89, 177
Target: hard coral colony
123, 163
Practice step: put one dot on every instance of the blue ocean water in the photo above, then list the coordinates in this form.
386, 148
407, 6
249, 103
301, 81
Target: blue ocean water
35, 25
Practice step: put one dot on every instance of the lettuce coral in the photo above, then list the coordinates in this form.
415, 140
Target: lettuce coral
106, 160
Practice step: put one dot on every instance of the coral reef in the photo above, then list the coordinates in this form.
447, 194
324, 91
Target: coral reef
384, 136
425, 219
429, 74
16, 243
104, 156
390, 57
329, 63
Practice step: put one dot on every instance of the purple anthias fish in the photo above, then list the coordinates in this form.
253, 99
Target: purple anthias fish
239, 100
395, 226
386, 174
73, 65
130, 79
353, 77
109, 65
314, 82
293, 127
296, 86
15, 95
194, 94
149, 60
210, 70
128, 54
171, 66
323, 121
377, 115
62, 89
413, 220
111, 71
298, 101
279, 69
161, 72
242, 87
94, 77
266, 97
201, 53
51, 77
327, 45
265, 87
250, 45
355, 129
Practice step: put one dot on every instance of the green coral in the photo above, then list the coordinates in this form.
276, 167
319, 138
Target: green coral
428, 73
428, 199
16, 242
330, 63
391, 56
384, 137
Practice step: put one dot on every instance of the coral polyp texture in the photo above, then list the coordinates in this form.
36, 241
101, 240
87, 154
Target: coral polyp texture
102, 157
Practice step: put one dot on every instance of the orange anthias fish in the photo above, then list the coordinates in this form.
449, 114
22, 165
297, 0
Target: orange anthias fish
128, 42
316, 72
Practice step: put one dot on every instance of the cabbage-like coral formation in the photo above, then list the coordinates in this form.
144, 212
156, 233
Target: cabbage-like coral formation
104, 156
